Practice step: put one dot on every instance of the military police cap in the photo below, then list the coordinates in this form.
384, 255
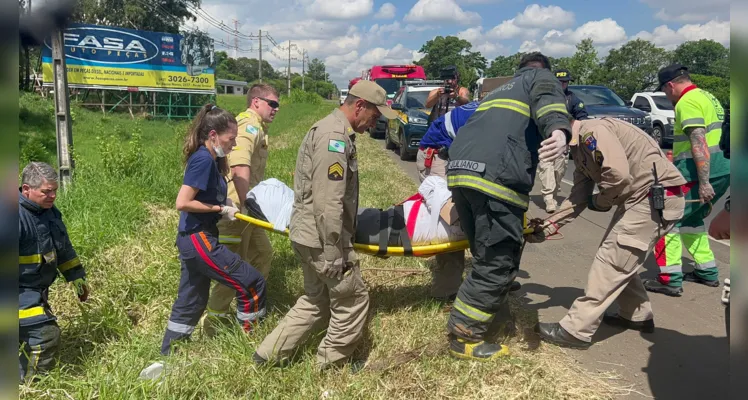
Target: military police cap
563, 75
374, 94
669, 73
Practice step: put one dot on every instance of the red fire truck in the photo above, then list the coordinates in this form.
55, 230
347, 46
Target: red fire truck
391, 78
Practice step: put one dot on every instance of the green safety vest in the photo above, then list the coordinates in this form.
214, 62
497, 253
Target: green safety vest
699, 109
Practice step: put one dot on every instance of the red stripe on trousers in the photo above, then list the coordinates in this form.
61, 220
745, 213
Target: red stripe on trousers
226, 277
660, 253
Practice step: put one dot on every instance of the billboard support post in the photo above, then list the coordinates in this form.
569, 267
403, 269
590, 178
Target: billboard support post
62, 110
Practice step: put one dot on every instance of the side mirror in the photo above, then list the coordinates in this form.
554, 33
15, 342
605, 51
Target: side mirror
396, 106
629, 103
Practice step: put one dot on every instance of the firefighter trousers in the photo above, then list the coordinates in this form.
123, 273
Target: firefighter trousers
691, 232
614, 275
38, 345
446, 276
204, 259
341, 306
494, 230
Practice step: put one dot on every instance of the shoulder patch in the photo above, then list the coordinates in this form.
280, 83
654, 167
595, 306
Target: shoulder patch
598, 157
251, 129
581, 105
589, 141
335, 172
336, 146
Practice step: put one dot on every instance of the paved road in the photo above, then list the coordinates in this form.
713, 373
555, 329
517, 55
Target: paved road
686, 358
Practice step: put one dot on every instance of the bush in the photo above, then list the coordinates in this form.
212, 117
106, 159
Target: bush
121, 160
300, 96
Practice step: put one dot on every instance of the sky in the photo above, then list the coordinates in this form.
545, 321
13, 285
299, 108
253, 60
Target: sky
352, 35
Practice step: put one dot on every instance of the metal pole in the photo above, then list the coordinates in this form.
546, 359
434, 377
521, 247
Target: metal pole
27, 62
289, 68
62, 110
259, 66
302, 69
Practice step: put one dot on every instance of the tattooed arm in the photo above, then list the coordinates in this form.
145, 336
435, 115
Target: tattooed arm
701, 157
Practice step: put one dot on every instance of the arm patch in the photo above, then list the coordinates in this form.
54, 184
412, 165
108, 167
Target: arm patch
335, 172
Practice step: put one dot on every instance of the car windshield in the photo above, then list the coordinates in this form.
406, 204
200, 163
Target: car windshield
416, 99
389, 85
597, 96
663, 103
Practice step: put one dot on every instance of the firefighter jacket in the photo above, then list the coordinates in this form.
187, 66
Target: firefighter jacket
44, 249
496, 151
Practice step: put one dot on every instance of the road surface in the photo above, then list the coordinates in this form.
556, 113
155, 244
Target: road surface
686, 358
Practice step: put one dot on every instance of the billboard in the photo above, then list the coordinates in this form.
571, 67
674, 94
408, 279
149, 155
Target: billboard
106, 57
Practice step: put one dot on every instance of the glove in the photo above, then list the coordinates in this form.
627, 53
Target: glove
333, 269
228, 212
81, 289
548, 228
553, 147
592, 204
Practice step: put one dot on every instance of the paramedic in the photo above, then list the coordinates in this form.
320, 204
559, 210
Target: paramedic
247, 163
491, 170
696, 153
620, 159
202, 203
551, 174
322, 229
44, 250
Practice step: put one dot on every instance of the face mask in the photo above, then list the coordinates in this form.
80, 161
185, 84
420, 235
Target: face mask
219, 151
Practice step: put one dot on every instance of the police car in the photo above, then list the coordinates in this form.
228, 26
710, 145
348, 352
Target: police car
405, 131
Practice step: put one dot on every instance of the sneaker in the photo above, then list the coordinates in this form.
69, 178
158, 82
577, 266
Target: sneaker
652, 285
550, 206
480, 350
692, 277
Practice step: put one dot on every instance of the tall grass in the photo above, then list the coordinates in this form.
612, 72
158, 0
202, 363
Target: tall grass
121, 218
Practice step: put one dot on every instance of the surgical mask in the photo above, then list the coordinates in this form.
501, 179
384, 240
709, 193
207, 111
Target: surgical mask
219, 151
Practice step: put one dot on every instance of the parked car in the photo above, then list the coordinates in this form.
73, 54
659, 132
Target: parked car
343, 95
600, 101
662, 112
405, 131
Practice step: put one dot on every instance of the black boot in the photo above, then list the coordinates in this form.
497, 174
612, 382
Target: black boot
652, 285
692, 277
554, 333
647, 326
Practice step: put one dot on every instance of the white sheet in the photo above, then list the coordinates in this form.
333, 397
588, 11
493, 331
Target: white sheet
275, 200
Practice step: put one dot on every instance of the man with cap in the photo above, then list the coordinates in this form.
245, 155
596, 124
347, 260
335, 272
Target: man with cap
697, 154
551, 173
322, 228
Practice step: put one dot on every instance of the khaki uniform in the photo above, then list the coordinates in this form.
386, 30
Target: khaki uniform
551, 173
446, 278
248, 241
619, 158
322, 229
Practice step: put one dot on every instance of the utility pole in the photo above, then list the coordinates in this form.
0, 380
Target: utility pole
289, 68
303, 53
62, 110
259, 66
236, 39
27, 66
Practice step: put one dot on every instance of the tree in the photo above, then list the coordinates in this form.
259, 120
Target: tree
704, 57
631, 68
583, 63
316, 70
451, 50
503, 65
162, 16
718, 86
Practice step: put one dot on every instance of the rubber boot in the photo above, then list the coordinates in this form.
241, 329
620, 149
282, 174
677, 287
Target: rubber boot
476, 350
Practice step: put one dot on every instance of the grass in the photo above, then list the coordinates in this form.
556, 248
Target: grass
121, 218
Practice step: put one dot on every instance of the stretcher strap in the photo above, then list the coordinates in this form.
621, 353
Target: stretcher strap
384, 218
398, 227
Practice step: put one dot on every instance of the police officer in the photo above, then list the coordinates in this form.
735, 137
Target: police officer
621, 160
44, 249
491, 172
696, 153
247, 162
322, 229
551, 174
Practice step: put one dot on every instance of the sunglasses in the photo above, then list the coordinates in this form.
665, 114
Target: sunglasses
271, 103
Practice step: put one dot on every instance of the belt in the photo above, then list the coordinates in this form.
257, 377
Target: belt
213, 232
671, 191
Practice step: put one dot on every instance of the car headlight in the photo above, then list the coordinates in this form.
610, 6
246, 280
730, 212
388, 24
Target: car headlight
671, 120
418, 120
648, 119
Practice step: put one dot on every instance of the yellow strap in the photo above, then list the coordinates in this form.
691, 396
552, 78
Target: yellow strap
69, 264
30, 312
32, 259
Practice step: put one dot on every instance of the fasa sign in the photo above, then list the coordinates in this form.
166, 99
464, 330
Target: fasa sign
108, 46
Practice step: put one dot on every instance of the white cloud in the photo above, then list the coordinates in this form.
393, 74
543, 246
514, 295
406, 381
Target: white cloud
350, 65
335, 9
478, 1
387, 11
482, 42
306, 29
663, 36
443, 11
509, 30
604, 34
537, 16
690, 10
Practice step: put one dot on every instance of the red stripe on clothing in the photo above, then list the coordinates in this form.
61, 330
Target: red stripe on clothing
412, 217
660, 254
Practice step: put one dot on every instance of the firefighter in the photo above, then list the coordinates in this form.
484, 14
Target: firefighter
202, 202
247, 162
621, 160
44, 249
491, 172
696, 153
551, 174
322, 228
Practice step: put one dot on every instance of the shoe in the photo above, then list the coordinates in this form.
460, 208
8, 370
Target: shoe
276, 364
446, 300
480, 350
692, 277
550, 206
554, 333
616, 320
515, 286
652, 285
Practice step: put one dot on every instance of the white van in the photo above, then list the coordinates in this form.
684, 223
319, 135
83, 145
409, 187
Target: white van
343, 95
662, 112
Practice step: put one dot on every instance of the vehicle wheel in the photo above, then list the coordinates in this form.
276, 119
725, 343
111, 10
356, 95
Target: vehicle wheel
657, 134
387, 142
403, 148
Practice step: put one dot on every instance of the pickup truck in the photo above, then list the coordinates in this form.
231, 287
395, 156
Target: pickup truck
600, 101
662, 112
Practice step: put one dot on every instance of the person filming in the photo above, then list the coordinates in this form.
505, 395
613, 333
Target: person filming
451, 90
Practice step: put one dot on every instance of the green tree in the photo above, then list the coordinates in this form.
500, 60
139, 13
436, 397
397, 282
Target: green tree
163, 16
584, 62
631, 68
440, 52
718, 86
503, 65
316, 70
704, 57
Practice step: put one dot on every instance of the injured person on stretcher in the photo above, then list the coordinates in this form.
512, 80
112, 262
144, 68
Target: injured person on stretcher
426, 218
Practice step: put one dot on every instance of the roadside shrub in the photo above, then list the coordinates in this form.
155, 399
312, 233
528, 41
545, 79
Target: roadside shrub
120, 159
300, 96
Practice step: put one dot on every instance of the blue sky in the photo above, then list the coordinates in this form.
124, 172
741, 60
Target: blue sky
351, 35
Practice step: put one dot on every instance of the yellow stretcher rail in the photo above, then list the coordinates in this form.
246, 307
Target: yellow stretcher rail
373, 249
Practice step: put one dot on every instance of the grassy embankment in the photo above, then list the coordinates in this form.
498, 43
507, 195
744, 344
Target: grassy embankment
121, 217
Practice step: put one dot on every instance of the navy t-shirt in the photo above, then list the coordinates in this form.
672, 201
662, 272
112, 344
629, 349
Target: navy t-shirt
202, 173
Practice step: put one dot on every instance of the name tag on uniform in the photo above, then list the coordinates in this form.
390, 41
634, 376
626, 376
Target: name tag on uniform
467, 165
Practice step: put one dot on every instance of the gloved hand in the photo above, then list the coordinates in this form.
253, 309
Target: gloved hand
553, 147
333, 269
542, 232
592, 204
228, 212
81, 289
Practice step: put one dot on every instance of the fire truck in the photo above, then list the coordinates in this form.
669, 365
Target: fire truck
391, 78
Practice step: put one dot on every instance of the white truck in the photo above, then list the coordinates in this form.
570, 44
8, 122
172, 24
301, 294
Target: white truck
662, 112
343, 95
